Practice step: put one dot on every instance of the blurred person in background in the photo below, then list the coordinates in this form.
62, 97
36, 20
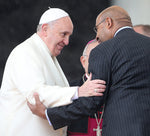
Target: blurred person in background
142, 29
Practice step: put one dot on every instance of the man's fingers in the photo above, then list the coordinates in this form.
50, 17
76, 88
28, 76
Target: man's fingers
97, 86
37, 99
29, 105
100, 86
98, 94
97, 81
99, 90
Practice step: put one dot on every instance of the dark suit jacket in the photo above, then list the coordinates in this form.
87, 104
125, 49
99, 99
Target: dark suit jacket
82, 126
124, 63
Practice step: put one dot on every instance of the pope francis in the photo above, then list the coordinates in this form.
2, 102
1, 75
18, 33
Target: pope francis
32, 67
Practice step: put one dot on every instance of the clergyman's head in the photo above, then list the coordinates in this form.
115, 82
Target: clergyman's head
86, 52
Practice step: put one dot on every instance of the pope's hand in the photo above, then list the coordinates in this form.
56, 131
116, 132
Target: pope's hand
92, 87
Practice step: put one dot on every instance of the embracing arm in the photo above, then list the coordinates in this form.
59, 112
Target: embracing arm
84, 106
64, 115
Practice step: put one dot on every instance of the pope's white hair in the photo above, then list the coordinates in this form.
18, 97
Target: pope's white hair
49, 23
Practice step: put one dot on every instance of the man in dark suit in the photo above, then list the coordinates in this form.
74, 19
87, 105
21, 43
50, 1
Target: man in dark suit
123, 61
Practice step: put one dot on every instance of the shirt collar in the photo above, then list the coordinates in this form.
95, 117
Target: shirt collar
122, 29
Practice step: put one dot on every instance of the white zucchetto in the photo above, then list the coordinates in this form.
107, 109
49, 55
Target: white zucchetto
52, 14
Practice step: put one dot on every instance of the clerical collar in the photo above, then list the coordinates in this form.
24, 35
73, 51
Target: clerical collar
122, 29
85, 77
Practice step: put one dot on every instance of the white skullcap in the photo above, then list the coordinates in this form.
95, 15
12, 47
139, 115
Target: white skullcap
52, 14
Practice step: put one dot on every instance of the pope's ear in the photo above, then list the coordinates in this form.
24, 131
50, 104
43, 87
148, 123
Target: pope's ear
82, 60
45, 29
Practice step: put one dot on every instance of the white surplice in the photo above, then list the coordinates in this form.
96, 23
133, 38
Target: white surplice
30, 68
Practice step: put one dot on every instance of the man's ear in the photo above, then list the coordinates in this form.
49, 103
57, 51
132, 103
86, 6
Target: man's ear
45, 29
82, 60
109, 22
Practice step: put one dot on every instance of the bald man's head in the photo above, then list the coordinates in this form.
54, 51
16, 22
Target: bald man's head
109, 21
116, 13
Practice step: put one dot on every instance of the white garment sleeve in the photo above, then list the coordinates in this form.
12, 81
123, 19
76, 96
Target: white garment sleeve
29, 77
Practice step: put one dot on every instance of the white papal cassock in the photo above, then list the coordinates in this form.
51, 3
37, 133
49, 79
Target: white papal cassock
30, 68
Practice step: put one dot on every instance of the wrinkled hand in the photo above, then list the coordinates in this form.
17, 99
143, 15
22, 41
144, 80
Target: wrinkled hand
39, 108
92, 87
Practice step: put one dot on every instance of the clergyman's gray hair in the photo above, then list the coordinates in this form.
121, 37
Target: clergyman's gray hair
85, 49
